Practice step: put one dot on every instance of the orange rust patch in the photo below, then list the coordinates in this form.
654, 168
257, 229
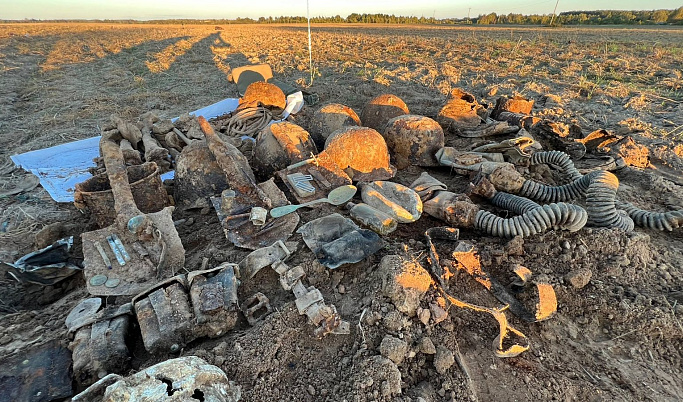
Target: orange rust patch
469, 260
523, 272
547, 301
413, 276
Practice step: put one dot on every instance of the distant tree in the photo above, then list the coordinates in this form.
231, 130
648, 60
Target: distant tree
676, 17
660, 16
487, 19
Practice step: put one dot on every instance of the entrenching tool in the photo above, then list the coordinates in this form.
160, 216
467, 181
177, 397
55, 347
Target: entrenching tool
158, 250
338, 196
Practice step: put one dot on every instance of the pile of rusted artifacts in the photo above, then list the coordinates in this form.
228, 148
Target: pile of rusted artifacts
239, 165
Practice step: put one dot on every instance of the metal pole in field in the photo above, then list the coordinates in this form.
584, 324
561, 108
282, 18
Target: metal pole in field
554, 11
310, 52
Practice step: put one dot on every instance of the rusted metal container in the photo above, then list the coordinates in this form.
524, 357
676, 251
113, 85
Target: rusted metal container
95, 194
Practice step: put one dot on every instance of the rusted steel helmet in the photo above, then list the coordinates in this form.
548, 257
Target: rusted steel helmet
329, 118
263, 94
459, 112
381, 109
279, 145
361, 152
414, 139
197, 176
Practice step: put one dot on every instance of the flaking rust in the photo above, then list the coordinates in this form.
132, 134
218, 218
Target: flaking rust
154, 234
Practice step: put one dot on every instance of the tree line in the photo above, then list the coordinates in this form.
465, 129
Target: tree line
601, 17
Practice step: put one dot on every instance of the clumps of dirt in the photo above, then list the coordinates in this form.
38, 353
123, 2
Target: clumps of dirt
378, 378
404, 282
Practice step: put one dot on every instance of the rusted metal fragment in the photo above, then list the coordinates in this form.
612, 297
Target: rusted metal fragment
95, 194
251, 236
165, 316
379, 110
459, 113
214, 300
414, 140
518, 119
466, 258
256, 307
236, 169
324, 171
490, 129
154, 233
329, 118
516, 104
182, 379
557, 135
466, 162
362, 153
510, 342
623, 148
309, 301
43, 373
516, 150
99, 343
598, 139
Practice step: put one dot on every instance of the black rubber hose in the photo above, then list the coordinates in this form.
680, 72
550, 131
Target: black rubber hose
552, 216
558, 158
653, 220
513, 203
544, 193
600, 202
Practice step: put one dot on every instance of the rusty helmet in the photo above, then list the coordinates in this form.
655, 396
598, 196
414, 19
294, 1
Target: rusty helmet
264, 94
279, 145
329, 118
361, 152
381, 109
414, 139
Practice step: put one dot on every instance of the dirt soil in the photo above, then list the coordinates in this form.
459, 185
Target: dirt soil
619, 337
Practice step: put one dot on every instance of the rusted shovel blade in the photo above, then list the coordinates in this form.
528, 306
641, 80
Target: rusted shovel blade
138, 249
163, 258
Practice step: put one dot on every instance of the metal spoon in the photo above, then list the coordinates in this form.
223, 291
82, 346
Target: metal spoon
338, 196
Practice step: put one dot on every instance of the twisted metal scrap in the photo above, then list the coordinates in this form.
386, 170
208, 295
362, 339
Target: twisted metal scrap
467, 260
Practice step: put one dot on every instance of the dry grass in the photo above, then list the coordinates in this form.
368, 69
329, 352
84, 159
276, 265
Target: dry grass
74, 75
60, 82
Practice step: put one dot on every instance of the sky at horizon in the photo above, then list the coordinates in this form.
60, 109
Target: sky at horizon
168, 9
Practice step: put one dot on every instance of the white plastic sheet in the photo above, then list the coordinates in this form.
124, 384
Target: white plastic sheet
59, 168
